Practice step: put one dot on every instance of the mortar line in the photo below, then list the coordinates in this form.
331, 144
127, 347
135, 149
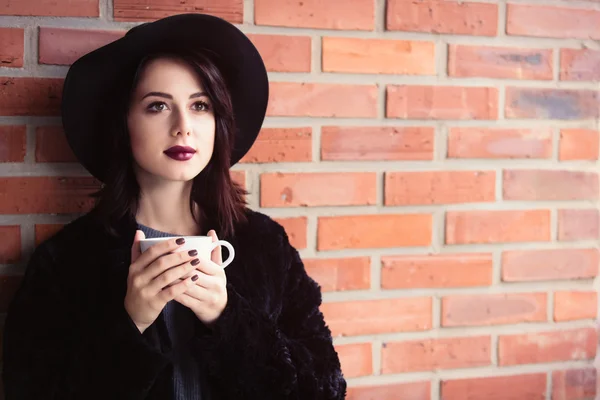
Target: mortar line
248, 10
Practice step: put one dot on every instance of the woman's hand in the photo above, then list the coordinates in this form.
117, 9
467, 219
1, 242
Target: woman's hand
207, 298
154, 279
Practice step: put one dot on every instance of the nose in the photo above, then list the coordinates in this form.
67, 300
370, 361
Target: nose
181, 124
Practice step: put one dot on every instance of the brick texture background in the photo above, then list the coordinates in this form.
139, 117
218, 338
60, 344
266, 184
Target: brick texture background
435, 161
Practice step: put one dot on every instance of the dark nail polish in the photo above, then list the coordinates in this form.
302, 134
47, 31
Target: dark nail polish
180, 241
195, 261
194, 278
192, 253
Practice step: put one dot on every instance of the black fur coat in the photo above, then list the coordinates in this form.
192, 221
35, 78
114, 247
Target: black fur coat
67, 335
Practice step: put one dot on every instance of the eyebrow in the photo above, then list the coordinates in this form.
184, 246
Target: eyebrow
168, 96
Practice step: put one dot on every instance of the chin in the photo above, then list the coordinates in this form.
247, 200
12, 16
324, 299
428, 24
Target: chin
171, 170
173, 174
180, 176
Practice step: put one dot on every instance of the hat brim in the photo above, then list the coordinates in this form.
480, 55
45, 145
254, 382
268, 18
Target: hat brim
93, 78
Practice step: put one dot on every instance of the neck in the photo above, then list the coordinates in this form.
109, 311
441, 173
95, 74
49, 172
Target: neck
166, 207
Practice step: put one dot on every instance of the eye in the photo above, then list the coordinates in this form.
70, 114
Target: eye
201, 106
157, 106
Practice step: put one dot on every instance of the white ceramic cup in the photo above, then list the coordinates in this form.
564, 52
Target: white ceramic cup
203, 244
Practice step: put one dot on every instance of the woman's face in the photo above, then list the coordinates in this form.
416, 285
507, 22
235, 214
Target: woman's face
171, 122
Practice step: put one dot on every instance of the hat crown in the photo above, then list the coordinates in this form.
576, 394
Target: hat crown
131, 30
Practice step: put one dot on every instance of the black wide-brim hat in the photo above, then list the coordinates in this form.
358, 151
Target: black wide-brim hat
94, 79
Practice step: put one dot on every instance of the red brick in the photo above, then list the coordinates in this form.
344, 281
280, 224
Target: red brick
52, 8
574, 384
10, 244
369, 317
547, 265
44, 232
436, 354
340, 143
579, 65
578, 224
572, 305
498, 143
441, 102
563, 104
451, 17
13, 143
62, 46
553, 22
493, 309
535, 348
351, 14
436, 271
47, 195
8, 287
378, 56
439, 187
318, 189
511, 387
578, 144
290, 99
502, 226
549, 185
337, 274
30, 96
281, 145
51, 145
149, 10
295, 228
374, 231
499, 62
284, 53
12, 42
239, 177
356, 359
393, 391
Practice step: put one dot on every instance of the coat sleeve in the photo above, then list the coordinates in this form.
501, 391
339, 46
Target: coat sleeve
52, 351
287, 355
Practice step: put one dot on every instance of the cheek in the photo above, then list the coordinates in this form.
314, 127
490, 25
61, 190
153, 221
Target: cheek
208, 137
141, 140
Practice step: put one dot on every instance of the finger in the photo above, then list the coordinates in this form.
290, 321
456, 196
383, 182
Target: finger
158, 250
186, 300
197, 295
171, 277
175, 290
200, 294
210, 268
208, 282
216, 256
166, 262
136, 250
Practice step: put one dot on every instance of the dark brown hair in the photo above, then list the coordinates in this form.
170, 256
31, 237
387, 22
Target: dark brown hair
221, 201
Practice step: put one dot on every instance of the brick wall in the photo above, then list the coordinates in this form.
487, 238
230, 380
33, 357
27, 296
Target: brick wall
434, 161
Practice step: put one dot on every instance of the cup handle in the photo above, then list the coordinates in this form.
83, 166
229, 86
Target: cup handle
229, 247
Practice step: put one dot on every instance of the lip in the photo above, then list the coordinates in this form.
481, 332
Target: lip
180, 153
180, 149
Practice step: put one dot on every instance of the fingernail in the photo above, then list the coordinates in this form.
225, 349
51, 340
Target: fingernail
195, 261
192, 253
180, 241
194, 278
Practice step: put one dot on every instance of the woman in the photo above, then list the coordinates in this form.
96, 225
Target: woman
159, 117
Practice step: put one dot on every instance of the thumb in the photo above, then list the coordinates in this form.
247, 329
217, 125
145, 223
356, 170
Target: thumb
136, 250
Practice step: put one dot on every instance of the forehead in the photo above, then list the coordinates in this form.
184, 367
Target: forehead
168, 74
